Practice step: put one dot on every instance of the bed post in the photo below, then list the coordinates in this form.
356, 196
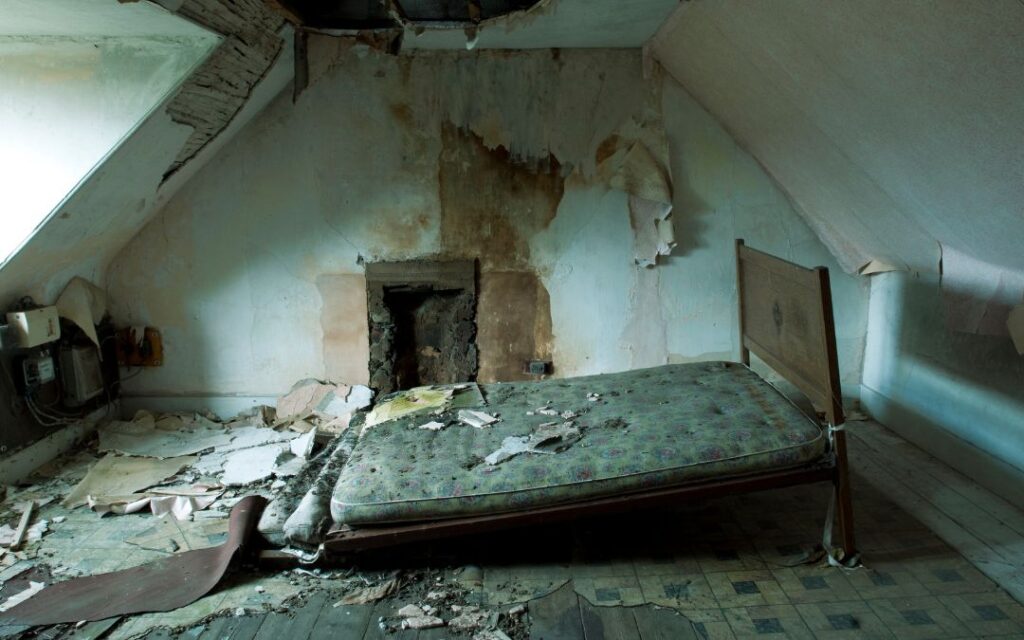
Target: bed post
834, 415
744, 351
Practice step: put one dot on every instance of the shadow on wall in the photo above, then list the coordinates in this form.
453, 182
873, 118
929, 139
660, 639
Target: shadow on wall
959, 396
688, 216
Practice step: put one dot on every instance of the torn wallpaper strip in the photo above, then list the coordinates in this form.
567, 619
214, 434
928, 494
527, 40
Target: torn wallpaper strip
84, 304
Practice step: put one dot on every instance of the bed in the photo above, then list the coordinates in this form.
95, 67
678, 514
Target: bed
621, 441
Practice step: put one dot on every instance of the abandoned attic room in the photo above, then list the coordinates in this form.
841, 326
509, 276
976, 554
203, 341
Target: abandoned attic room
511, 319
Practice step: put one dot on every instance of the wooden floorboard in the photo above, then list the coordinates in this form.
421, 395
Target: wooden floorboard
217, 628
294, 624
663, 624
891, 478
556, 616
244, 629
373, 630
341, 622
886, 443
608, 623
948, 491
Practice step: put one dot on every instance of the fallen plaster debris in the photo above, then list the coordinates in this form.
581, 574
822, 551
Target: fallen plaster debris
422, 622
477, 419
305, 397
371, 593
491, 634
170, 437
325, 400
182, 507
251, 465
358, 397
470, 618
549, 438
124, 475
303, 445
410, 611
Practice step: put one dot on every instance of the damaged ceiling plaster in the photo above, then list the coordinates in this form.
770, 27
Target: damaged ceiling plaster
384, 14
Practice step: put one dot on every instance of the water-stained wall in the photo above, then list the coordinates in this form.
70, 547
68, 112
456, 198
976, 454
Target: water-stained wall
254, 271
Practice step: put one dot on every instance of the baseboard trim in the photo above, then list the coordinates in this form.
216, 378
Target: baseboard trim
222, 406
19, 465
997, 476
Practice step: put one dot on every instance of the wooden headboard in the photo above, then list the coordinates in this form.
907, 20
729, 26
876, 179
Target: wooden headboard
786, 320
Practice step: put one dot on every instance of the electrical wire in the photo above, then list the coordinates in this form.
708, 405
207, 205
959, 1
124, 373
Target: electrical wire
44, 419
46, 414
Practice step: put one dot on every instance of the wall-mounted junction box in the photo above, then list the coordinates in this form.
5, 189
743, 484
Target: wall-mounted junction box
32, 328
139, 347
81, 374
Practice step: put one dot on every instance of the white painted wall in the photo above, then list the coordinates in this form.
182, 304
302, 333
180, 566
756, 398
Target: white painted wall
959, 396
897, 128
228, 269
64, 104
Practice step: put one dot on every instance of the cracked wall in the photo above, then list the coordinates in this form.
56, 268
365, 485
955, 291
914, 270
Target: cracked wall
253, 271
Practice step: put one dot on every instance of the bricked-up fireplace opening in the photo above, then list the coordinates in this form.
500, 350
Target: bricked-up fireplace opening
422, 323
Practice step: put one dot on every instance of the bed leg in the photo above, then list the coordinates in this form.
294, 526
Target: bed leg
844, 506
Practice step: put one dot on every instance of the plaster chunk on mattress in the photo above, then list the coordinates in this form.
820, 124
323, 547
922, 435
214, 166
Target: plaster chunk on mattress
549, 438
403, 403
477, 419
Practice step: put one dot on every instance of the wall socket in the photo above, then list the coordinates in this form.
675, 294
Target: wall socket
538, 367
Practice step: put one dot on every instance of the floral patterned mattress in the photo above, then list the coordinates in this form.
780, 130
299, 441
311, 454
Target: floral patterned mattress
637, 430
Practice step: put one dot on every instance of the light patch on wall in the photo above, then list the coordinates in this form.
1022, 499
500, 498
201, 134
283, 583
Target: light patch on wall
513, 324
346, 341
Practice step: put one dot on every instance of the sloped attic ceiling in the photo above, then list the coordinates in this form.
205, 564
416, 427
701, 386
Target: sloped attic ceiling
114, 201
894, 126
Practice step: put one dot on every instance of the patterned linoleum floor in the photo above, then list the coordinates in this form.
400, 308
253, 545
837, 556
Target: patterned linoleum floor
731, 567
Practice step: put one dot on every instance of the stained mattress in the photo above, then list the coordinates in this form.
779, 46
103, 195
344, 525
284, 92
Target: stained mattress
650, 428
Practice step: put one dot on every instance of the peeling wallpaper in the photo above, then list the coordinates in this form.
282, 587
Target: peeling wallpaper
253, 271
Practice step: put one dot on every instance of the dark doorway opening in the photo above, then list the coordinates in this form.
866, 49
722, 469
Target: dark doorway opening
422, 324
